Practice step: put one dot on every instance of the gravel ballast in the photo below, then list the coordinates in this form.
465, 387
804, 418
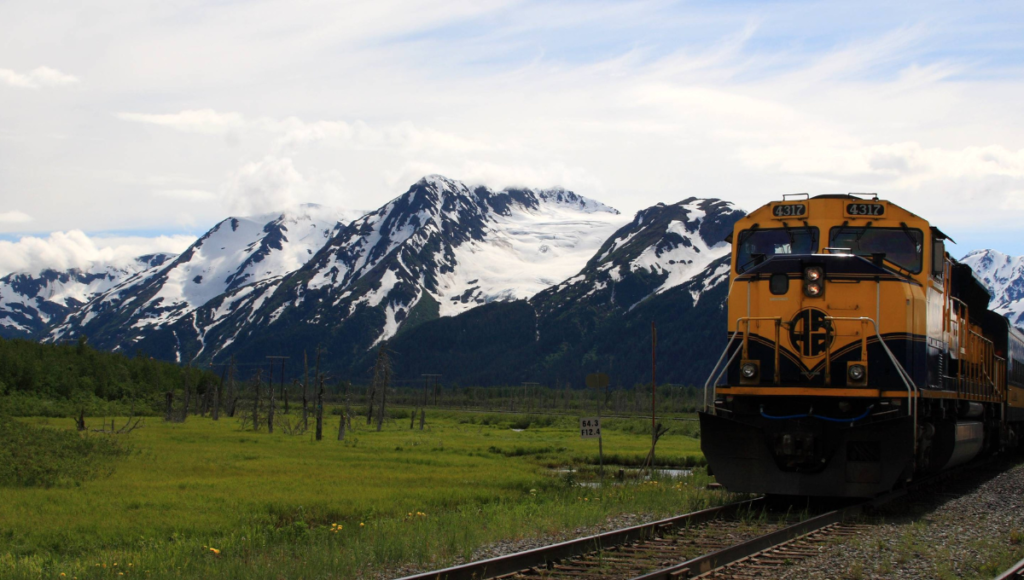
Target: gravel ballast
973, 530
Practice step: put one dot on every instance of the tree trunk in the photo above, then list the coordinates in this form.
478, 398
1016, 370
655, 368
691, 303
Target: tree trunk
320, 411
188, 392
305, 391
232, 399
319, 399
273, 402
256, 401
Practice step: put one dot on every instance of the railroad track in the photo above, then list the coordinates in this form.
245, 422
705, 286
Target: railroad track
720, 542
1016, 572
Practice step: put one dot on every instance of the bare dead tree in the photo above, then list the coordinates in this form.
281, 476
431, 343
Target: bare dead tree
232, 394
256, 400
273, 403
169, 413
381, 380
188, 395
341, 425
216, 395
371, 395
305, 390
319, 399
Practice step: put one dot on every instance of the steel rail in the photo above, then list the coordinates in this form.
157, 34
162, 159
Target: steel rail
546, 555
1014, 573
715, 560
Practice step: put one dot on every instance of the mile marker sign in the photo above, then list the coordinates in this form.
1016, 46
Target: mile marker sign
590, 427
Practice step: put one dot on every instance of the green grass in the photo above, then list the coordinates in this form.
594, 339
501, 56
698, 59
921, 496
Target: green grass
268, 502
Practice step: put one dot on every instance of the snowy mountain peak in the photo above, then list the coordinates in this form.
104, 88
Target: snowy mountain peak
29, 302
1003, 275
663, 247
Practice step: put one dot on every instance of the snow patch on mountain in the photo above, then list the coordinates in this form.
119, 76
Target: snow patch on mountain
524, 253
30, 302
1003, 275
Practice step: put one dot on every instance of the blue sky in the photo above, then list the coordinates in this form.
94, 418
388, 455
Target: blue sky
142, 124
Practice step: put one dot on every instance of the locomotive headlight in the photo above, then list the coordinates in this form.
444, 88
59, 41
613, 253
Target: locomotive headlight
814, 281
856, 372
749, 370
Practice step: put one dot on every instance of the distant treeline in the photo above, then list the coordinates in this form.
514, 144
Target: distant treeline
64, 380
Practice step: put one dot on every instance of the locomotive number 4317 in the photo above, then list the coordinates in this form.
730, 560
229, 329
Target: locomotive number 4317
870, 209
789, 210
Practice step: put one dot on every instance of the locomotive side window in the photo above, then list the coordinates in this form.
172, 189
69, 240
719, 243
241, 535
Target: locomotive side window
901, 246
938, 258
757, 245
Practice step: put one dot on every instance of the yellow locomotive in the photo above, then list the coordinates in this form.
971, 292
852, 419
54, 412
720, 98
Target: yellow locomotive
859, 354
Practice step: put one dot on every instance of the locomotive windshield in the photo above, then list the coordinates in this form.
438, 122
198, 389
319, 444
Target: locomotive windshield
901, 246
757, 245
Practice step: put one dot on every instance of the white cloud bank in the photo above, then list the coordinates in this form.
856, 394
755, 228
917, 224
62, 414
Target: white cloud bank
14, 217
40, 77
75, 249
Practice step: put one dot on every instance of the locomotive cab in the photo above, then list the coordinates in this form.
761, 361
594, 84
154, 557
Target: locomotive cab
852, 361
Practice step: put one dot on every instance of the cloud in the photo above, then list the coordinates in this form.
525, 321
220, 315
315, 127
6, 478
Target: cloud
196, 195
38, 78
75, 249
205, 121
269, 185
14, 217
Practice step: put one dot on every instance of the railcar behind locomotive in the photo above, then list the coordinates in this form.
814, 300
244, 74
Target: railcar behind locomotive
859, 354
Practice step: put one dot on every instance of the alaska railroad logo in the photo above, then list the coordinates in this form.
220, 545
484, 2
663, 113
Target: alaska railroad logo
809, 332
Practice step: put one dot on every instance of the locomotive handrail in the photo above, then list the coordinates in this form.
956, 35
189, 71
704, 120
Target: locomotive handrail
715, 374
912, 389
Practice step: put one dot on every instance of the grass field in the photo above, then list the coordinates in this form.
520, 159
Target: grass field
205, 499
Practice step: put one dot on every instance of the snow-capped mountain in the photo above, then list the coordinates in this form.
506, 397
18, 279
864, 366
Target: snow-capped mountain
663, 247
669, 265
437, 250
232, 258
31, 302
1004, 277
454, 247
